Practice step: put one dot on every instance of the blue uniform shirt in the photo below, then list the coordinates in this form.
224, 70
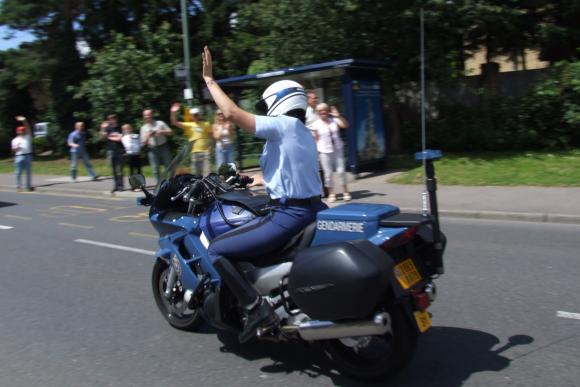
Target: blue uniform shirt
289, 160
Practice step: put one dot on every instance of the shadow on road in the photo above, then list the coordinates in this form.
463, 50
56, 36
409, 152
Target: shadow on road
7, 204
445, 356
361, 194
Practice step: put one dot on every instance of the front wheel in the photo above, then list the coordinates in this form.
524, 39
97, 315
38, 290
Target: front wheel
375, 357
173, 308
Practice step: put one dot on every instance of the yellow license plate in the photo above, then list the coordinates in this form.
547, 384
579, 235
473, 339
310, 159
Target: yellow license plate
423, 320
407, 273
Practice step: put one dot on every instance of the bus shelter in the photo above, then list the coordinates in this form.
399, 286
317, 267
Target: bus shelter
353, 86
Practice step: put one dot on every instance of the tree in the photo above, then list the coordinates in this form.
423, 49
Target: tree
127, 77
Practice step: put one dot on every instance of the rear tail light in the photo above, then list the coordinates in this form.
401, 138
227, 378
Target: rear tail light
400, 239
422, 299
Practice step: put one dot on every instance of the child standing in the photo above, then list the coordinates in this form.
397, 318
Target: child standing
132, 144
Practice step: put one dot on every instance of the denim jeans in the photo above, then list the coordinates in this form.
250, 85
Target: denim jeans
224, 153
160, 155
23, 162
84, 156
200, 163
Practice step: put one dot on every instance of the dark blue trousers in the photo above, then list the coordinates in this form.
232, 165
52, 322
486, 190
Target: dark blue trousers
258, 237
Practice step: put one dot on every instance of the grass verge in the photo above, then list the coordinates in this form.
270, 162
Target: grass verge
558, 168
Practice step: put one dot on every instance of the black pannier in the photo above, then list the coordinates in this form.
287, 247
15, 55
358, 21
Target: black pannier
344, 280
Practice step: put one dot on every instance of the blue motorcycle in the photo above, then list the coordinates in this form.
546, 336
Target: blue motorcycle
358, 281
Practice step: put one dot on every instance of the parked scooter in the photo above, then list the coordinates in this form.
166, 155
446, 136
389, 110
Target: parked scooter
359, 280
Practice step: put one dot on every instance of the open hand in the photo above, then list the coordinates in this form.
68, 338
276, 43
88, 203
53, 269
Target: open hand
207, 71
175, 107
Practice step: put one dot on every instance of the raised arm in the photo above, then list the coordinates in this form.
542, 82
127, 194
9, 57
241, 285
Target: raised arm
173, 116
25, 123
338, 118
231, 111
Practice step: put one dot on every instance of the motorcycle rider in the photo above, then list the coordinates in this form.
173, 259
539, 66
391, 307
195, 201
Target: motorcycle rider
289, 165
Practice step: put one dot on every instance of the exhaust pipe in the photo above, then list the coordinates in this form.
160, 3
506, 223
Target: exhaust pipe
326, 330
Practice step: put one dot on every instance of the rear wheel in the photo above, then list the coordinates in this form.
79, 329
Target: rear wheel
375, 357
173, 308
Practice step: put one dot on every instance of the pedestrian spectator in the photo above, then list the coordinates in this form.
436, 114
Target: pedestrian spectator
132, 143
77, 144
200, 133
112, 133
222, 134
311, 114
311, 117
22, 149
154, 134
330, 147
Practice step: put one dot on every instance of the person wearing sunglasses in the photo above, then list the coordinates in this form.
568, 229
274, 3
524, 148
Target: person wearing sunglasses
289, 164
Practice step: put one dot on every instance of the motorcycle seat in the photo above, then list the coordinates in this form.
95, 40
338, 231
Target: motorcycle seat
258, 204
287, 252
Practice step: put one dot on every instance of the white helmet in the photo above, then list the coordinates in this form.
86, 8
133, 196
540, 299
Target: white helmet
281, 97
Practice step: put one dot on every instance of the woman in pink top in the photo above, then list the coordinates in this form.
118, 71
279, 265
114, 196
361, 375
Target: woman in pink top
330, 147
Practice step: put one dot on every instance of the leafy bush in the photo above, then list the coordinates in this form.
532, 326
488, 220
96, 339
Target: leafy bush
547, 117
40, 145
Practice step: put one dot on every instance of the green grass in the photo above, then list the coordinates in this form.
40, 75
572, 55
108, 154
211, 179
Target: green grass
561, 168
558, 168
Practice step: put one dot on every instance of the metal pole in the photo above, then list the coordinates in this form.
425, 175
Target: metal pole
424, 196
186, 54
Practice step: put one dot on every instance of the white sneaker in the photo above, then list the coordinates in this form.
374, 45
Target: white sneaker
346, 197
331, 198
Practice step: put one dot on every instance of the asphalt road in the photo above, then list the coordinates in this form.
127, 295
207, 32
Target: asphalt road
78, 311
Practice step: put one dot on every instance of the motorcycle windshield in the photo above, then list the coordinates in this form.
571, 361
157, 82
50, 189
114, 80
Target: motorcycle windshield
181, 163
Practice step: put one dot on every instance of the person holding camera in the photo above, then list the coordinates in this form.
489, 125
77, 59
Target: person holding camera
22, 150
154, 135
112, 133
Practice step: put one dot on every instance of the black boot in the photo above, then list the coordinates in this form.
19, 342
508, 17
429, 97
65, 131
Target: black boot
260, 316
260, 313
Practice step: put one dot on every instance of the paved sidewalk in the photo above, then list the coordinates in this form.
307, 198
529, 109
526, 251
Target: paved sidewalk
537, 204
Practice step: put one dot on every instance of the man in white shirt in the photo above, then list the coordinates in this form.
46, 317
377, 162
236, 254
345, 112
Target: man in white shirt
22, 149
154, 135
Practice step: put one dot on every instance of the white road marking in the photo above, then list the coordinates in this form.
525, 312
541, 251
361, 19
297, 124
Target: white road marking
116, 247
575, 316
5, 227
141, 234
76, 225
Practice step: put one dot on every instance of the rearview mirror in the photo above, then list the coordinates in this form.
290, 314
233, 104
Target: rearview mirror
137, 181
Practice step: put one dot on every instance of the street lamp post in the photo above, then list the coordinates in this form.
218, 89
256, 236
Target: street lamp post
188, 92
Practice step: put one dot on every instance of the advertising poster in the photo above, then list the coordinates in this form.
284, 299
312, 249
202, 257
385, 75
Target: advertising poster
368, 125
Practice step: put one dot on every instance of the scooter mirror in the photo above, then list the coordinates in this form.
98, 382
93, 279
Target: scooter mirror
137, 181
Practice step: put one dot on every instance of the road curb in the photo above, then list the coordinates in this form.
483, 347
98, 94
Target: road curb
504, 215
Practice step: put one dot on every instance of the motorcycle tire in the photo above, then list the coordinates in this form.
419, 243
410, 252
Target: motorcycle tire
382, 356
182, 321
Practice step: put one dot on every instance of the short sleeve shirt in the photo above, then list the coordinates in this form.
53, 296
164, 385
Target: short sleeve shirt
77, 138
289, 160
114, 145
154, 126
24, 143
328, 136
201, 133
